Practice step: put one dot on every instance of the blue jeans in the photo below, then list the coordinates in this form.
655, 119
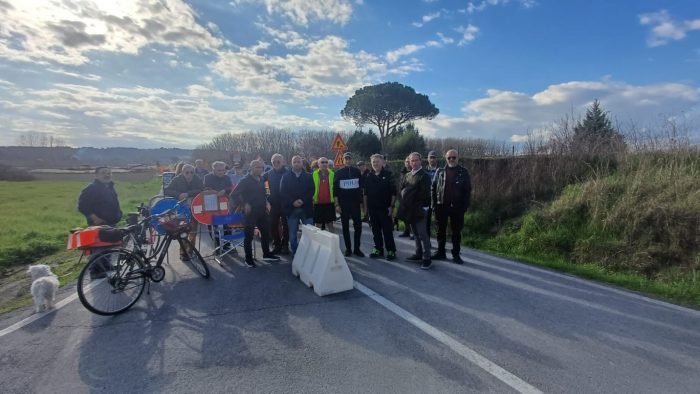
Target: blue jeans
293, 220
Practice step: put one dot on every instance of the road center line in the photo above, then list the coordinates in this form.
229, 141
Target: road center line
464, 351
37, 316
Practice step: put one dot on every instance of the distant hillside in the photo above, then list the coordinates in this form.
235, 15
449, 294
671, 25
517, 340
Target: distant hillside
41, 157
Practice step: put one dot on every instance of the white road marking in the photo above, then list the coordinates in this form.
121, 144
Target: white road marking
38, 316
464, 351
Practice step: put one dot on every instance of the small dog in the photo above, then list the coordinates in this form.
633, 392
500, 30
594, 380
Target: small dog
44, 286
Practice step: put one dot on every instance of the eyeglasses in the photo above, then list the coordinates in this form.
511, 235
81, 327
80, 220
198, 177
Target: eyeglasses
322, 162
452, 158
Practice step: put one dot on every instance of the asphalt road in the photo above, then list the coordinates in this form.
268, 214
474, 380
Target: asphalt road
490, 325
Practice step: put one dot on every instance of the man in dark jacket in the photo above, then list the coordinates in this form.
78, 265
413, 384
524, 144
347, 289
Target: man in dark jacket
347, 190
297, 192
252, 197
278, 222
415, 201
98, 201
186, 186
380, 197
450, 195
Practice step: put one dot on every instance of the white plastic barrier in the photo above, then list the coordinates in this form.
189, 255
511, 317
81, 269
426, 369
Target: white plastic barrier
319, 263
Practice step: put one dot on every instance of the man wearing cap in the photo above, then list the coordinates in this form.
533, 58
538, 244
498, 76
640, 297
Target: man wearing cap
347, 189
450, 195
430, 170
324, 210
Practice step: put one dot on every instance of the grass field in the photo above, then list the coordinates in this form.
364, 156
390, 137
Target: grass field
37, 217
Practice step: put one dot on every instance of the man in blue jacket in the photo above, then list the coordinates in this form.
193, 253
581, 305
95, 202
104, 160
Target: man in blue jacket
297, 193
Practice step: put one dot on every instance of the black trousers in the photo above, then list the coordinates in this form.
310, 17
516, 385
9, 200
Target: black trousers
278, 219
353, 212
429, 217
382, 229
456, 218
256, 218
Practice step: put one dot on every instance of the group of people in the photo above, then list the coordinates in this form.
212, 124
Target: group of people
276, 201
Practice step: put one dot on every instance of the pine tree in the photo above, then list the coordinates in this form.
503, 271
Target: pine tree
595, 135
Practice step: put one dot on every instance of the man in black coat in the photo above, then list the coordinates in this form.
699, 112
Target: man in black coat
415, 201
450, 195
347, 190
98, 201
380, 197
297, 192
278, 221
252, 196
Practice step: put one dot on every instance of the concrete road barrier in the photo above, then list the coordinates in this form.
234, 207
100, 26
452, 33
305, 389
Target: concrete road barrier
319, 263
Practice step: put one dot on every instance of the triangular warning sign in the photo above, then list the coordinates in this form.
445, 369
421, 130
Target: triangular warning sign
338, 162
338, 143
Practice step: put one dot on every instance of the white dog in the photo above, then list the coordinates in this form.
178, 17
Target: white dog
44, 286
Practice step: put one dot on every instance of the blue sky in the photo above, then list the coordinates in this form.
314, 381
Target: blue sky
175, 73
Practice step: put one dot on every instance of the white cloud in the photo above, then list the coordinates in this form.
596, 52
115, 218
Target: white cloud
444, 39
509, 115
393, 56
140, 116
64, 32
325, 68
426, 18
468, 34
302, 12
665, 29
473, 7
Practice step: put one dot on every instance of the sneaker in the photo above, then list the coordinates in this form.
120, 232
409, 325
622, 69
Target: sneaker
348, 253
184, 257
376, 253
249, 263
404, 235
426, 264
414, 257
439, 255
457, 259
391, 255
359, 253
271, 257
276, 250
284, 251
412, 237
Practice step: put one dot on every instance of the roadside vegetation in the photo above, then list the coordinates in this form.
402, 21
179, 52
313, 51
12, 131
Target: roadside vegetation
36, 220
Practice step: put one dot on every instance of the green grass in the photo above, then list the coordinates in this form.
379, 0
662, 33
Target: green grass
38, 214
37, 217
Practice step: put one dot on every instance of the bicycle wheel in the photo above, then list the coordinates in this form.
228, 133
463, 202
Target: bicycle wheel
198, 262
111, 282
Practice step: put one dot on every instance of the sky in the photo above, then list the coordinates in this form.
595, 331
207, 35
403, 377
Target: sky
176, 73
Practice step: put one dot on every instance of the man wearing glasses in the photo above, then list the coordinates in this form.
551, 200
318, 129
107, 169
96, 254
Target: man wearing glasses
450, 194
324, 209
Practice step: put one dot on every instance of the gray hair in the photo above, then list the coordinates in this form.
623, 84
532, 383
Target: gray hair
276, 156
416, 154
376, 155
256, 162
218, 163
190, 166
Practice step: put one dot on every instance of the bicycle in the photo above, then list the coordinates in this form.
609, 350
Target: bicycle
113, 280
